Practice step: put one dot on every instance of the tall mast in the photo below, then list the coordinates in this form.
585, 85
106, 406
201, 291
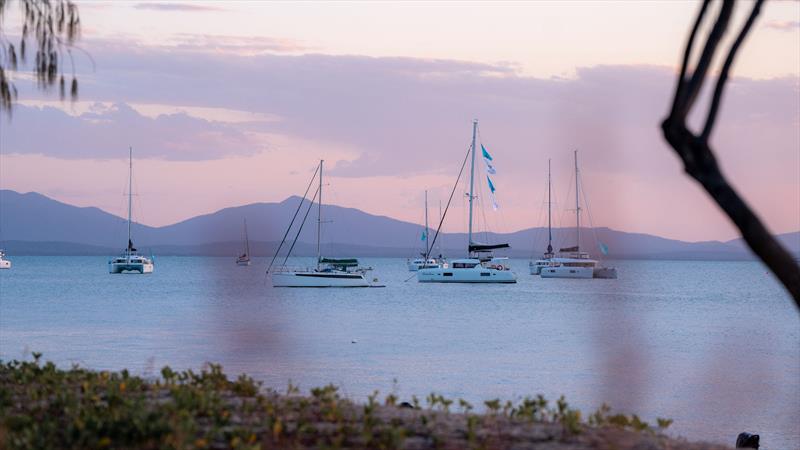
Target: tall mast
427, 249
246, 240
577, 207
472, 176
319, 213
130, 194
549, 207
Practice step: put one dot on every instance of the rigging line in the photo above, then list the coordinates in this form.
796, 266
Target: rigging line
589, 212
444, 214
310, 207
313, 177
538, 225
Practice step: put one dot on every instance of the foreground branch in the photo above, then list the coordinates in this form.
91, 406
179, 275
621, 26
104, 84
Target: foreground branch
698, 157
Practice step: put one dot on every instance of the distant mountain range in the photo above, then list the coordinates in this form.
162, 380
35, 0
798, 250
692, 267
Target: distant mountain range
32, 224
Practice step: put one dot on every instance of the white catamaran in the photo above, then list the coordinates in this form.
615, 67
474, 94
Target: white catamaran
426, 261
329, 272
480, 266
546, 260
130, 260
244, 258
4, 263
571, 262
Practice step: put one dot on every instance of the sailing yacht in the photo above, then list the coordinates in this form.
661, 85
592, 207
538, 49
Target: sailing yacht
244, 258
535, 267
130, 260
426, 261
329, 272
4, 263
480, 266
571, 261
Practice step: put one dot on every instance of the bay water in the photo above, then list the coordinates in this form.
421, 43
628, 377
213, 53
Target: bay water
715, 346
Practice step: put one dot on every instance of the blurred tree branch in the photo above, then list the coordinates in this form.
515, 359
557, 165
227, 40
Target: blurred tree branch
698, 157
53, 26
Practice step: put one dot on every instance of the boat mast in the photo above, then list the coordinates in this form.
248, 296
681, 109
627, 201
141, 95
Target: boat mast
577, 208
549, 215
319, 213
246, 240
472, 176
130, 195
426, 225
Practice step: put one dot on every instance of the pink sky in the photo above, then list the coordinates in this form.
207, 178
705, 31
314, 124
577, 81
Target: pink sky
233, 103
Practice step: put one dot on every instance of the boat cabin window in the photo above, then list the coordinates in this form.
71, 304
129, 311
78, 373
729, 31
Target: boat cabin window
485, 274
578, 264
448, 274
461, 265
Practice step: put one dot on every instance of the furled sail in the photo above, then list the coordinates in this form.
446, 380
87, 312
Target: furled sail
486, 247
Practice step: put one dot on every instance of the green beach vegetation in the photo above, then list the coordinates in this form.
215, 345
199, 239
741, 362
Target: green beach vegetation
46, 407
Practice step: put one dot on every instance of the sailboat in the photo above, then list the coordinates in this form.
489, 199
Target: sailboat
130, 260
426, 261
572, 262
535, 267
480, 266
244, 258
4, 263
329, 272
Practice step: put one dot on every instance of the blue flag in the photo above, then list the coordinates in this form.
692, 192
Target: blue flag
603, 248
485, 153
491, 185
424, 236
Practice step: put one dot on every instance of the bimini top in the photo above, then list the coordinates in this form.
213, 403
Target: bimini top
486, 247
343, 262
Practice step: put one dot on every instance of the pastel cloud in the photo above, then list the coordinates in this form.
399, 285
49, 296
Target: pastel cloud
104, 133
783, 25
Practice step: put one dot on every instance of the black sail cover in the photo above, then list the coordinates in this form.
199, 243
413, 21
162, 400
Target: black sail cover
486, 247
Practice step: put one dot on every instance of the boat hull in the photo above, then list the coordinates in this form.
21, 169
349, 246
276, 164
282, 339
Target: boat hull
243, 262
141, 268
5, 264
319, 279
471, 275
605, 273
567, 272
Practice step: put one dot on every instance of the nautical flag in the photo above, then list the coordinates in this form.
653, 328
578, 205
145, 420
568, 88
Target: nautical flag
486, 154
603, 248
487, 159
492, 189
424, 236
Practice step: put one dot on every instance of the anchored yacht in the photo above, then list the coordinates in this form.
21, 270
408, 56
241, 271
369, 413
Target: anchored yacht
535, 267
130, 260
572, 262
4, 263
480, 266
425, 261
328, 272
244, 258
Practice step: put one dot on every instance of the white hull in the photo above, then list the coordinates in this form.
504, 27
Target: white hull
535, 267
5, 264
567, 272
142, 268
243, 262
477, 274
319, 279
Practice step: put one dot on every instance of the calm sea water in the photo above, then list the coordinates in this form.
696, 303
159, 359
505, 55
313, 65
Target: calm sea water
713, 345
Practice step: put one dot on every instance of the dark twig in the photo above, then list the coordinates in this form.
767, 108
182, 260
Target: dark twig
698, 157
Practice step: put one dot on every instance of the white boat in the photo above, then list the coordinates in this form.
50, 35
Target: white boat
4, 263
426, 261
244, 258
535, 267
130, 261
572, 262
329, 272
480, 266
